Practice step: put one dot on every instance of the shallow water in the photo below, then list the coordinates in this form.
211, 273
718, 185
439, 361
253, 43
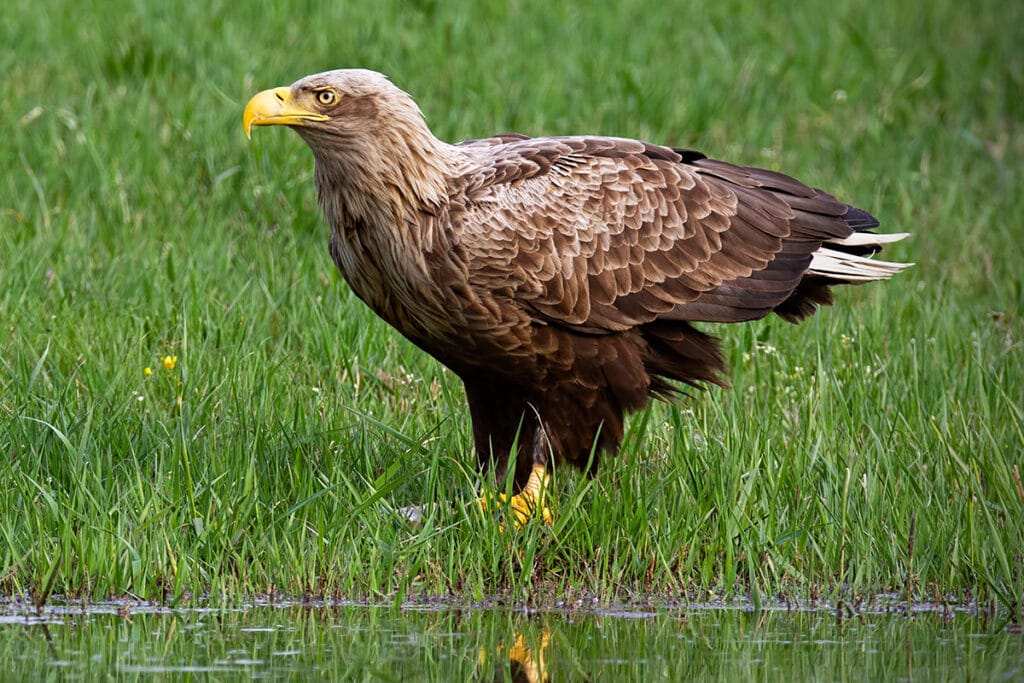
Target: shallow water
430, 642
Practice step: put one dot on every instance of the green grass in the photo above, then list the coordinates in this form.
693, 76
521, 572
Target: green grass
878, 447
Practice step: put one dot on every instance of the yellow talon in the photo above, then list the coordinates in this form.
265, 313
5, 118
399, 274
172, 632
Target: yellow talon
528, 501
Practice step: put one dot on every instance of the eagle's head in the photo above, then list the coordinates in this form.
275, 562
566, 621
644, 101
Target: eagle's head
340, 104
368, 136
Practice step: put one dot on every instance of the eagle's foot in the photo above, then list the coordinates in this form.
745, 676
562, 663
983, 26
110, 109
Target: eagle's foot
530, 500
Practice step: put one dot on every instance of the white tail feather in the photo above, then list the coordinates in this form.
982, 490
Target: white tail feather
861, 239
851, 268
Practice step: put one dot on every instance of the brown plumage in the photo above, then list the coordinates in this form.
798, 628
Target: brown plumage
559, 277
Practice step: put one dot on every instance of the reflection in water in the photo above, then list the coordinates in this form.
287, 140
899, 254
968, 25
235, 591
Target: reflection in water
346, 642
525, 663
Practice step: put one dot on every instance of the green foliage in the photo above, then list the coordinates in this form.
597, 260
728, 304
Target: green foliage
878, 447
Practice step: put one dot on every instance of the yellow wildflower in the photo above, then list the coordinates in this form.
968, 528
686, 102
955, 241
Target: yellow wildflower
147, 371
170, 362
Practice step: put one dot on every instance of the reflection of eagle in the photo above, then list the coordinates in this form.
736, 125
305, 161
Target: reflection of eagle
559, 277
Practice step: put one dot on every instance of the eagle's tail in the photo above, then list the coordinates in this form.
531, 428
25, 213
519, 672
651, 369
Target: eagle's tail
848, 260
841, 261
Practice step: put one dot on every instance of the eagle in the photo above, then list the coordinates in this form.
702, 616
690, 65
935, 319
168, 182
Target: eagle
560, 278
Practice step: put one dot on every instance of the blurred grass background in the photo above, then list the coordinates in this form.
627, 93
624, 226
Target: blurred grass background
876, 448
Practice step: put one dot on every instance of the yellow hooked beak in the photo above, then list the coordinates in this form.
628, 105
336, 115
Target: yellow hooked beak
275, 107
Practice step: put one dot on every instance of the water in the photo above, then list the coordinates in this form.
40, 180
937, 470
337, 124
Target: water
350, 642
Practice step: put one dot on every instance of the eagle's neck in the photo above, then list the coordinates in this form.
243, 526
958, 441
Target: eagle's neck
382, 202
391, 175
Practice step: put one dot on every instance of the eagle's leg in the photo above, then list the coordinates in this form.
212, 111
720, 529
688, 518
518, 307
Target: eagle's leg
507, 427
534, 451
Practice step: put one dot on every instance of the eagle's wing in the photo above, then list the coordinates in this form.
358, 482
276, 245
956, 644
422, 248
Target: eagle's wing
602, 234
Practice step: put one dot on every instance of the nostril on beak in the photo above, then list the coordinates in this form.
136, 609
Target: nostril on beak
281, 94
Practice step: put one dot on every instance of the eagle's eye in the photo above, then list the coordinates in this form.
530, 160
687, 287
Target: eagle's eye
326, 98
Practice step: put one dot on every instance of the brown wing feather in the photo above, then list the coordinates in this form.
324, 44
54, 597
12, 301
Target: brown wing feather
603, 234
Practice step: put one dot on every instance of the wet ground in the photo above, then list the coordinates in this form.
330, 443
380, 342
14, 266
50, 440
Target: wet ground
441, 642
